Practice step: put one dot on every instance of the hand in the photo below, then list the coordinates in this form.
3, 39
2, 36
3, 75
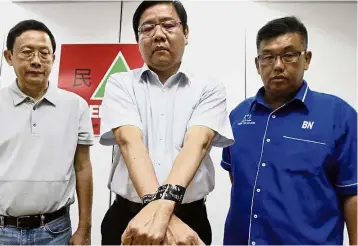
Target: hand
179, 233
150, 224
81, 237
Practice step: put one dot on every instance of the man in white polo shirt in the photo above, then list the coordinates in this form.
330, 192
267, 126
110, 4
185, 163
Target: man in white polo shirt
165, 121
45, 134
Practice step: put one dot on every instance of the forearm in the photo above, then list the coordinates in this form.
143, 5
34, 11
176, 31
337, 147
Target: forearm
350, 214
84, 189
140, 167
196, 145
186, 165
231, 177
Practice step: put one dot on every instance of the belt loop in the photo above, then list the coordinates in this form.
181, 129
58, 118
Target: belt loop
2, 222
42, 220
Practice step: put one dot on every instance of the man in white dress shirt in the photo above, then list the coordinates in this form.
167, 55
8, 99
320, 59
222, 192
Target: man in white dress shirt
164, 120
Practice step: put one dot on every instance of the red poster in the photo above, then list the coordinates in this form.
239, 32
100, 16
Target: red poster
85, 68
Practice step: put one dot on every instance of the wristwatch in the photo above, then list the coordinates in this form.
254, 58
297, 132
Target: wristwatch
170, 192
166, 192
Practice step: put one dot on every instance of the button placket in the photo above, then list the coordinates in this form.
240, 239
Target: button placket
34, 119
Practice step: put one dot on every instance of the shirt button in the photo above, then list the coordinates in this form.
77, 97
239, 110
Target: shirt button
255, 216
34, 108
258, 190
273, 116
253, 243
268, 140
264, 164
34, 125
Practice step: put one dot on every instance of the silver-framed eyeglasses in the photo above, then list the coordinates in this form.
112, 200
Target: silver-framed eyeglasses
29, 54
168, 26
288, 57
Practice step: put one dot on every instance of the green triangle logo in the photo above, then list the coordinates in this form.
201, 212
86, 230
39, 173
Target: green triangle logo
119, 64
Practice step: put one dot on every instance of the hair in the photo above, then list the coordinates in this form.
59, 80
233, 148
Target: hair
278, 27
179, 8
28, 25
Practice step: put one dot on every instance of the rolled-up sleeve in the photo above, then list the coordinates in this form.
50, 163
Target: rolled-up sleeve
347, 154
211, 111
85, 129
118, 109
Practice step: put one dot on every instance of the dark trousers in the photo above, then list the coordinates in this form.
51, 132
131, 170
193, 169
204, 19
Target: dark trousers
122, 211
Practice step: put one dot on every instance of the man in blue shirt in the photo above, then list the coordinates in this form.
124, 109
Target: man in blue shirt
294, 163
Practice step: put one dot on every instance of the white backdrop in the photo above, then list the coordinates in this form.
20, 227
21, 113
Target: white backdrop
221, 43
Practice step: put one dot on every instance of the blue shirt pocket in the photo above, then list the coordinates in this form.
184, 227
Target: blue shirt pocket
304, 155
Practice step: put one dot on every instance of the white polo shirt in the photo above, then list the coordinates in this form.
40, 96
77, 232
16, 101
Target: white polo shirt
37, 148
163, 113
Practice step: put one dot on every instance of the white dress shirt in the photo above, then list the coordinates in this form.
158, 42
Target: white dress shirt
164, 113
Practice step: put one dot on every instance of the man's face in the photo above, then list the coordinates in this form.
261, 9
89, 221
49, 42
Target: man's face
282, 76
162, 49
32, 57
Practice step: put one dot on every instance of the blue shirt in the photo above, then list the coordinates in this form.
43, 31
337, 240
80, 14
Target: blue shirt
291, 167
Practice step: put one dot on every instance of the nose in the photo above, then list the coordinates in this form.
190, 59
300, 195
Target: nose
159, 34
35, 60
278, 65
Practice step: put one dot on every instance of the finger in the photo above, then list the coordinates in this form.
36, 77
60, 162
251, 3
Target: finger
170, 238
199, 241
126, 238
137, 240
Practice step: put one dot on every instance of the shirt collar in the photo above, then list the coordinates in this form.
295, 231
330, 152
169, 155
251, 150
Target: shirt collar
18, 96
302, 96
183, 69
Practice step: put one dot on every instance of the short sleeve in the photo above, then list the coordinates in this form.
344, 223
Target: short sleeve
118, 109
346, 149
85, 129
226, 159
211, 112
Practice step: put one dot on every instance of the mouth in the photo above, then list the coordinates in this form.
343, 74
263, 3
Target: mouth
160, 48
279, 78
34, 73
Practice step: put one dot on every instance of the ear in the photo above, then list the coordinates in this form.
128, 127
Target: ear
308, 57
186, 34
53, 58
8, 57
257, 65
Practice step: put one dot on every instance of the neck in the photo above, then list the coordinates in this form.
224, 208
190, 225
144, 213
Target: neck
36, 91
164, 75
276, 101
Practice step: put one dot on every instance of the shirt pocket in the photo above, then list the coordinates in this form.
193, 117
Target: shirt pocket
304, 155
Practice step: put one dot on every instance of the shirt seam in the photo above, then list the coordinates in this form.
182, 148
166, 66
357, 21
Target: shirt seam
348, 185
226, 162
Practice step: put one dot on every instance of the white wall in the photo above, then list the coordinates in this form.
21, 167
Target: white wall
216, 46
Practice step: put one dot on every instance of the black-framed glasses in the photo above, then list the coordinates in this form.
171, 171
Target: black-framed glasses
168, 26
288, 57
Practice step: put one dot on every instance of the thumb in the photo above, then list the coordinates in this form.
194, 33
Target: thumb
199, 241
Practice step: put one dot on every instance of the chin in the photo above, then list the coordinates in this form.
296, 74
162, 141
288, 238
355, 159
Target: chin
36, 81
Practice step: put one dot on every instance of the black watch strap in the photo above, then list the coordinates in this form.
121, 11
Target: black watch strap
171, 192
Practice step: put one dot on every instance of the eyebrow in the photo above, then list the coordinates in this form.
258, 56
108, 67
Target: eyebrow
160, 20
287, 48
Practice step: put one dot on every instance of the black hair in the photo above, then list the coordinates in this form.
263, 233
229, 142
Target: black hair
278, 27
28, 25
179, 8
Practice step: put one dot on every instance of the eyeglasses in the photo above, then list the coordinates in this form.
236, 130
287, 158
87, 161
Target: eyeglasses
289, 57
28, 54
168, 26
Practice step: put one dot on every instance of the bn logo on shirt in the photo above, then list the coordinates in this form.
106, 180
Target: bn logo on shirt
307, 125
